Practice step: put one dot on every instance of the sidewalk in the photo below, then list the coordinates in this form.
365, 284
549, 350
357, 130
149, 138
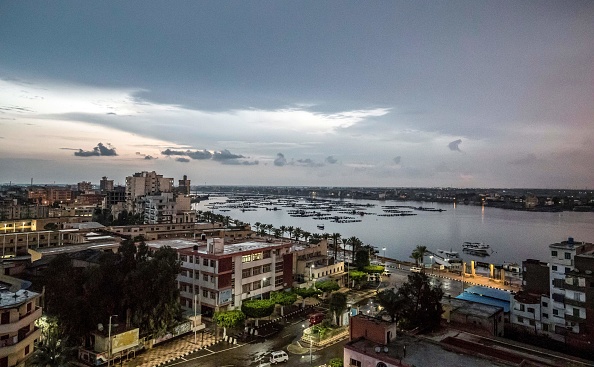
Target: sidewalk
170, 350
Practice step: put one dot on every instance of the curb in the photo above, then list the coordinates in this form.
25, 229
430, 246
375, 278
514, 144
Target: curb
188, 353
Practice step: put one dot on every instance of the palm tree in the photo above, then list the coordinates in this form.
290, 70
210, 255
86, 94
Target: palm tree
53, 351
306, 235
277, 233
298, 232
418, 254
257, 225
283, 229
356, 244
290, 230
335, 238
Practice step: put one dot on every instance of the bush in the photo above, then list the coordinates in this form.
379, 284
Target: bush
336, 362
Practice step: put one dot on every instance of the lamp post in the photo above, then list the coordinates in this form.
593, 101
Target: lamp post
262, 292
310, 275
383, 248
431, 257
109, 340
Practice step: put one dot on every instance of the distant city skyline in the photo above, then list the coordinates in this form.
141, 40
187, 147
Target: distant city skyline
307, 93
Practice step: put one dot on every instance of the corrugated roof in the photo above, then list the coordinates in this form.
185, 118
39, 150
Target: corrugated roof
489, 292
472, 297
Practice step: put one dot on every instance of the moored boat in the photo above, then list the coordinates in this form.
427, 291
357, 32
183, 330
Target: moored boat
475, 246
449, 259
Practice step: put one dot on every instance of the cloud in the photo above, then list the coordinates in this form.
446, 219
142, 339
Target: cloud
182, 159
280, 160
173, 152
199, 154
149, 157
331, 160
528, 159
99, 150
224, 155
236, 162
306, 162
397, 160
455, 145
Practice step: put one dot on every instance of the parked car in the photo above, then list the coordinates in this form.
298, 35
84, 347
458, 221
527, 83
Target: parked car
415, 269
279, 356
316, 318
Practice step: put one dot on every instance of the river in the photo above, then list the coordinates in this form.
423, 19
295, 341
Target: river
513, 236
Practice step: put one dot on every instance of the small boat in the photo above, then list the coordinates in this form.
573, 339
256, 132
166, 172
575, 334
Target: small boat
481, 252
321, 226
449, 259
475, 246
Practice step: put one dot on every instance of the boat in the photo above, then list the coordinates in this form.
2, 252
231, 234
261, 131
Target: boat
448, 259
321, 226
481, 253
475, 246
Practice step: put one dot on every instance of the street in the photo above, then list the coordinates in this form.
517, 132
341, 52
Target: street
252, 354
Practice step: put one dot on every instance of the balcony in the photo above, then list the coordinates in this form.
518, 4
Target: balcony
23, 321
570, 317
573, 302
18, 343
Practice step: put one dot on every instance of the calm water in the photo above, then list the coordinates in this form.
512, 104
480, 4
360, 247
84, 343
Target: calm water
513, 235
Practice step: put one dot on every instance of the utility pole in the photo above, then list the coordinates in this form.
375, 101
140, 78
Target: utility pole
109, 347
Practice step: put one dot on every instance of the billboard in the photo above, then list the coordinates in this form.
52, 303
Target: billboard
124, 340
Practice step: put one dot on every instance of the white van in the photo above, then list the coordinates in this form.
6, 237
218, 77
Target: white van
279, 356
415, 269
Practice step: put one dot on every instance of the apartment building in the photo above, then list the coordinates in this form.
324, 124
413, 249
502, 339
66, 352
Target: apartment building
219, 276
105, 185
529, 309
184, 186
18, 312
312, 263
166, 208
147, 183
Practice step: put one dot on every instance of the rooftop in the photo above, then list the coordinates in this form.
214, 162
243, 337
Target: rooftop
465, 307
10, 299
228, 249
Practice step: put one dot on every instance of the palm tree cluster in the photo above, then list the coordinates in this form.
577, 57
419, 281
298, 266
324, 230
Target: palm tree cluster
418, 254
294, 232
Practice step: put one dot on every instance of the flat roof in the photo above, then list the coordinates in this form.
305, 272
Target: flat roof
466, 307
489, 292
228, 248
10, 299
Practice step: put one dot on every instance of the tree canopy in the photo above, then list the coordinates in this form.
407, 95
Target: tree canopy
327, 285
257, 308
374, 269
229, 319
361, 259
337, 304
418, 254
392, 303
422, 306
283, 298
130, 283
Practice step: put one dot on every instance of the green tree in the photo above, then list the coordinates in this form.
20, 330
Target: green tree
392, 303
337, 304
51, 227
53, 351
336, 362
257, 308
357, 276
374, 269
283, 299
327, 285
423, 302
361, 259
418, 254
335, 238
355, 244
229, 319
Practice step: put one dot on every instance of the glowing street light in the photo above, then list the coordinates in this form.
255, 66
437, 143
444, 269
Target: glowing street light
383, 248
310, 342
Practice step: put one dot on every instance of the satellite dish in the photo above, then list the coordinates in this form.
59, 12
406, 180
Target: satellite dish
100, 327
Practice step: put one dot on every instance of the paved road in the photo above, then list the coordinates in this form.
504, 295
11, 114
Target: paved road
250, 354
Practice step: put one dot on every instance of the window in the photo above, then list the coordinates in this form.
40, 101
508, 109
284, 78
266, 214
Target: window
520, 319
5, 318
567, 256
256, 256
545, 327
554, 267
545, 304
355, 363
205, 277
245, 288
522, 308
567, 270
556, 312
183, 258
576, 312
204, 293
545, 315
278, 282
246, 273
256, 285
531, 309
213, 295
205, 262
246, 258
266, 282
212, 263
266, 268
554, 253
532, 322
267, 254
256, 270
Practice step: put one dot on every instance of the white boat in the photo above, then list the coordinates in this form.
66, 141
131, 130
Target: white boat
320, 226
449, 259
476, 246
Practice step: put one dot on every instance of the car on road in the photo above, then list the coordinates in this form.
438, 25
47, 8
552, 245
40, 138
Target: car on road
316, 318
278, 357
415, 269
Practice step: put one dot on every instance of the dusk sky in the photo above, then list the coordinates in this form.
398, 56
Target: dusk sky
325, 93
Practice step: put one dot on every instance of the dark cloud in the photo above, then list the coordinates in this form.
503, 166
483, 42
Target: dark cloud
199, 154
455, 145
280, 160
397, 160
331, 160
236, 162
99, 150
224, 155
173, 152
182, 159
149, 157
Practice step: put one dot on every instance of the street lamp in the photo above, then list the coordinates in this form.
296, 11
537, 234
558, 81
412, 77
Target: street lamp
383, 248
310, 276
431, 257
310, 342
262, 291
109, 340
